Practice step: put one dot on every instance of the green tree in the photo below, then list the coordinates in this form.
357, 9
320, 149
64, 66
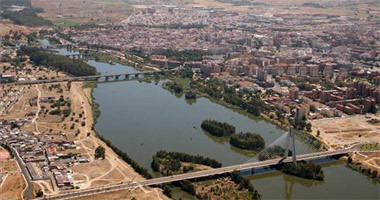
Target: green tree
100, 152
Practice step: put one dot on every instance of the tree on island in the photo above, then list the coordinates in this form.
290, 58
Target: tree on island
100, 152
218, 129
307, 170
248, 141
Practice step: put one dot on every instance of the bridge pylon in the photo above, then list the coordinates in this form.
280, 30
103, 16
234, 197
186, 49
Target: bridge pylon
290, 140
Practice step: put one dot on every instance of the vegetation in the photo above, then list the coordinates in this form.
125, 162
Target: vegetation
248, 141
187, 186
373, 174
183, 157
39, 193
100, 152
58, 62
167, 191
245, 184
165, 166
307, 170
370, 146
175, 87
190, 95
14, 125
26, 17
142, 171
218, 129
185, 55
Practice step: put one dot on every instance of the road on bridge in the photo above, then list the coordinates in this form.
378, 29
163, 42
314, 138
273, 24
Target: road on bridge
199, 174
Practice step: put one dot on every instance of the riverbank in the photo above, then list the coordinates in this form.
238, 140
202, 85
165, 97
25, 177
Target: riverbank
129, 173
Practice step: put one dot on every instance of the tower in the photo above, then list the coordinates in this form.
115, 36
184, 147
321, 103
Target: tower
291, 139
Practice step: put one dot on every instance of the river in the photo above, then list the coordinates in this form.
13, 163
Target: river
143, 118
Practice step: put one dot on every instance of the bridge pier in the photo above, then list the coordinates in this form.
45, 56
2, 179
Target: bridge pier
127, 76
117, 77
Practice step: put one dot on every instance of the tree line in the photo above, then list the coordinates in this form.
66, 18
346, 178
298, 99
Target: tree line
165, 166
58, 62
26, 17
218, 129
307, 170
184, 157
244, 183
185, 55
124, 156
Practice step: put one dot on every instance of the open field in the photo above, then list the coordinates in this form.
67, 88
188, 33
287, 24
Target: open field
71, 12
9, 166
7, 25
271, 7
12, 187
139, 193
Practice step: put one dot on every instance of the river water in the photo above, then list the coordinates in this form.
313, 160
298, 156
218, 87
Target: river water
143, 118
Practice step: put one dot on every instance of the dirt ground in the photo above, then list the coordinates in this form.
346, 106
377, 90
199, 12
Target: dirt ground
338, 132
72, 12
12, 187
111, 170
7, 25
9, 166
228, 189
139, 193
344, 131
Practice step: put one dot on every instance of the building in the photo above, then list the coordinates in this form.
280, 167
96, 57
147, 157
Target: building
293, 93
262, 74
302, 71
369, 104
6, 78
313, 70
351, 93
343, 72
302, 111
328, 70
291, 70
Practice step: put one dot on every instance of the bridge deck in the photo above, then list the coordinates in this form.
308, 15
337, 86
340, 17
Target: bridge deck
199, 174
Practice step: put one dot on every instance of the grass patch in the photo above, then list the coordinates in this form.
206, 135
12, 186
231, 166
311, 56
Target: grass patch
370, 146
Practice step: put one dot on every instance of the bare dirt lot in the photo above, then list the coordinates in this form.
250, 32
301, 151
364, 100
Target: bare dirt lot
139, 193
8, 166
12, 187
72, 12
342, 131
